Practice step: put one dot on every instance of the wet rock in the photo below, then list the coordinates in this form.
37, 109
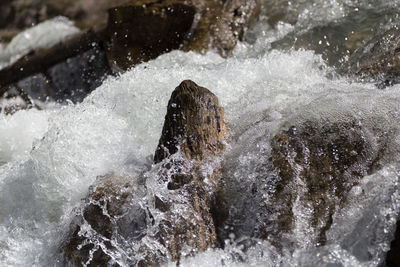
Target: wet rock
20, 14
75, 78
289, 183
194, 124
379, 60
14, 100
177, 219
110, 211
194, 130
393, 255
72, 79
138, 32
145, 29
317, 164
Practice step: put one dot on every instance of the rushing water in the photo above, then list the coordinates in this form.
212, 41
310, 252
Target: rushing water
280, 75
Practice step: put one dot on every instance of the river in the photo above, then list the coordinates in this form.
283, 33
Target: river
280, 75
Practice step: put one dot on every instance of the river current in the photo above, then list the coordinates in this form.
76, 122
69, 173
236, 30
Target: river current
279, 75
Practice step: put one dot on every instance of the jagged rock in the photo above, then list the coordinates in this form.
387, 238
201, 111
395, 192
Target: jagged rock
143, 30
317, 165
178, 220
378, 60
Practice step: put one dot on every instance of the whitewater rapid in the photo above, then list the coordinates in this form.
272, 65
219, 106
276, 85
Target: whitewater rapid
49, 158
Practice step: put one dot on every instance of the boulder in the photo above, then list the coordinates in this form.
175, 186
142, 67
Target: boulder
194, 129
317, 163
378, 60
136, 32
287, 186
176, 220
145, 29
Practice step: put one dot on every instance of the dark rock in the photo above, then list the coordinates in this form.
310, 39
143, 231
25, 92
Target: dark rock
75, 78
393, 255
317, 164
292, 182
379, 60
145, 29
180, 220
37, 87
109, 211
7, 13
139, 32
72, 79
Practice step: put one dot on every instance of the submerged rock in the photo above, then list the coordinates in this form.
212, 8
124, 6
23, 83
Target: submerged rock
145, 29
379, 60
293, 181
110, 210
172, 220
317, 164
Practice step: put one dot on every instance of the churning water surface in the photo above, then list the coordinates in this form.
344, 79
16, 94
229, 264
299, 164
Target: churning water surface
280, 75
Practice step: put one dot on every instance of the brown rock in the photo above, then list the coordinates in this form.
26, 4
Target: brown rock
317, 165
145, 29
108, 210
378, 59
194, 128
194, 123
180, 222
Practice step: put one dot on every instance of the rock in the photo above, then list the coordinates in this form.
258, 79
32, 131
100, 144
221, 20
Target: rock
145, 29
178, 220
194, 129
110, 210
14, 100
393, 255
194, 123
67, 71
378, 60
20, 14
286, 185
138, 32
75, 78
317, 164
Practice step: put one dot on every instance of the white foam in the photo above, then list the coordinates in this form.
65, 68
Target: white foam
43, 35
